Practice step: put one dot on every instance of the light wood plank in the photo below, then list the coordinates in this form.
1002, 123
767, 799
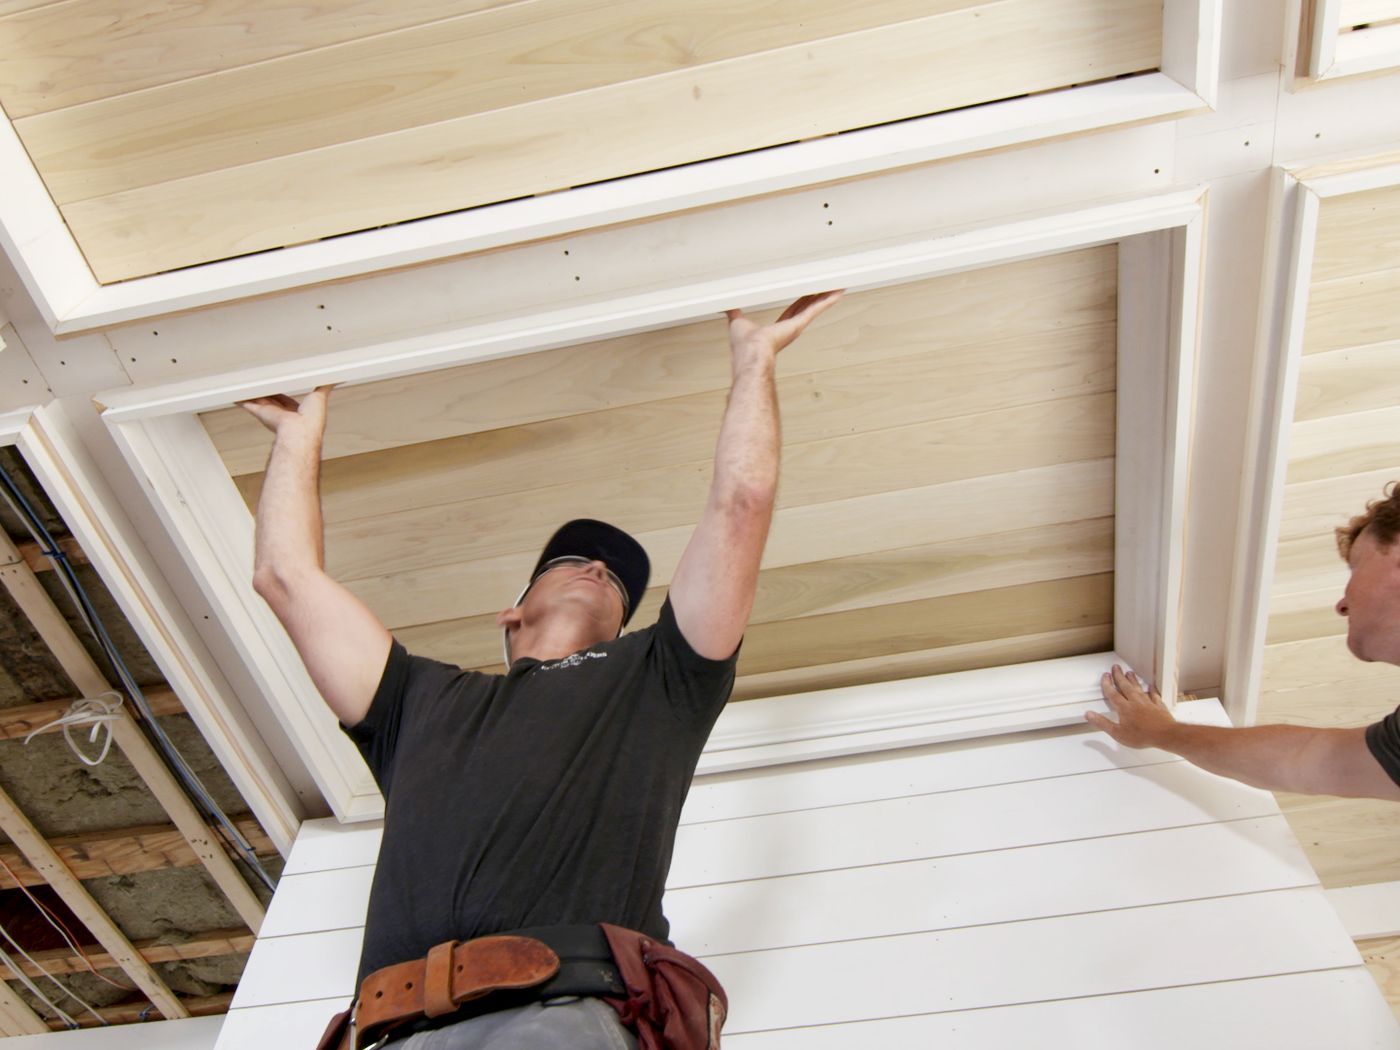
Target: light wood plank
1329, 681
1355, 443
1357, 233
1349, 841
35, 603
984, 419
1300, 1011
1314, 509
950, 316
1309, 563
59, 54
424, 543
1367, 12
553, 144
135, 1013
16, 1016
43, 858
1352, 311
237, 941
1338, 382
1302, 615
999, 817
1382, 957
997, 652
869, 464
37, 560
499, 57
1252, 935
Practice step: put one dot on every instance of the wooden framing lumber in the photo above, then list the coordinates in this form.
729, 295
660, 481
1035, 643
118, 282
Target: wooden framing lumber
16, 722
236, 941
135, 1013
37, 560
16, 1016
42, 856
125, 851
24, 587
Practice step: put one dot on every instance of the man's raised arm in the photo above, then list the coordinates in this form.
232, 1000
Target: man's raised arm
342, 643
712, 590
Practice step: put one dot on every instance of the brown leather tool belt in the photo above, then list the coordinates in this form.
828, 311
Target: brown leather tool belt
461, 979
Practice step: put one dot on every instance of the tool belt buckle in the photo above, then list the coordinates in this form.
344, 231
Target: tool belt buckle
355, 1031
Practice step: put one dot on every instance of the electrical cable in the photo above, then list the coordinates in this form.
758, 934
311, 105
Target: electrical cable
148, 724
93, 711
62, 928
68, 1020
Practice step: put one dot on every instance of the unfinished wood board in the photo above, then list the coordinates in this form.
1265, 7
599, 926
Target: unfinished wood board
950, 315
1351, 312
946, 498
55, 54
500, 57
1349, 842
1382, 957
455, 161
1358, 233
1355, 443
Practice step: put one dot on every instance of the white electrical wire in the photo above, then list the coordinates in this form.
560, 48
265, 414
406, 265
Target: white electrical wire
93, 711
24, 979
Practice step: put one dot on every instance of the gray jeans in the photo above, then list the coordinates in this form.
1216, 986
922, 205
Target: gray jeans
559, 1024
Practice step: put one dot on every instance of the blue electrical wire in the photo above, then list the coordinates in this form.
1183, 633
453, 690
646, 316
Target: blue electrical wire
153, 730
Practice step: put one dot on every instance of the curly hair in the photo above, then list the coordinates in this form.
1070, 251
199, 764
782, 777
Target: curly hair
1381, 517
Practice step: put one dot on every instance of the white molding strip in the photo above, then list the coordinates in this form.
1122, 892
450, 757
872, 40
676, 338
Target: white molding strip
33, 232
1368, 912
73, 482
1283, 302
666, 306
158, 432
859, 719
1283, 305
1334, 54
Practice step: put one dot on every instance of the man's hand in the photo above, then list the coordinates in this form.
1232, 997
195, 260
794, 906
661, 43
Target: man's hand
280, 413
751, 340
1143, 720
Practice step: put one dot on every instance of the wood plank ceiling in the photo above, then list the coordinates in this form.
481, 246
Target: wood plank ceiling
1344, 448
946, 500
171, 135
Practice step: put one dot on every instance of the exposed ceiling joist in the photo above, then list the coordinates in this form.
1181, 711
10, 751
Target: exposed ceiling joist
62, 960
70, 888
16, 1016
123, 851
34, 601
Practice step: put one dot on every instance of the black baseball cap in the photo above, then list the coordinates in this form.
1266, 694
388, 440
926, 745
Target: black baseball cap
586, 538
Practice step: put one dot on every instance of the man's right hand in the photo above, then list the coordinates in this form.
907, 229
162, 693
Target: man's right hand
1143, 720
279, 412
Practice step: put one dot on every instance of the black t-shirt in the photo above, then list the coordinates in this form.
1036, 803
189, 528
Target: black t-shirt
544, 796
1383, 738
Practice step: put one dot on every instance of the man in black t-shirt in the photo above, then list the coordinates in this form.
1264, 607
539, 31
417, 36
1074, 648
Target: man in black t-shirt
547, 796
1359, 763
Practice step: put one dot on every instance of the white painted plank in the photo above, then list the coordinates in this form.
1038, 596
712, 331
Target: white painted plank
1174, 794
1063, 878
937, 767
1368, 911
283, 1025
295, 969
191, 1033
1254, 935
319, 900
327, 843
1305, 1011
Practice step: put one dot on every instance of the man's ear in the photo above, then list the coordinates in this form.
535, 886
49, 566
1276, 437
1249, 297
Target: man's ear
508, 618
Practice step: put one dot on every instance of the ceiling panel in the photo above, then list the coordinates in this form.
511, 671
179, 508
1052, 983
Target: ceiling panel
947, 486
275, 125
